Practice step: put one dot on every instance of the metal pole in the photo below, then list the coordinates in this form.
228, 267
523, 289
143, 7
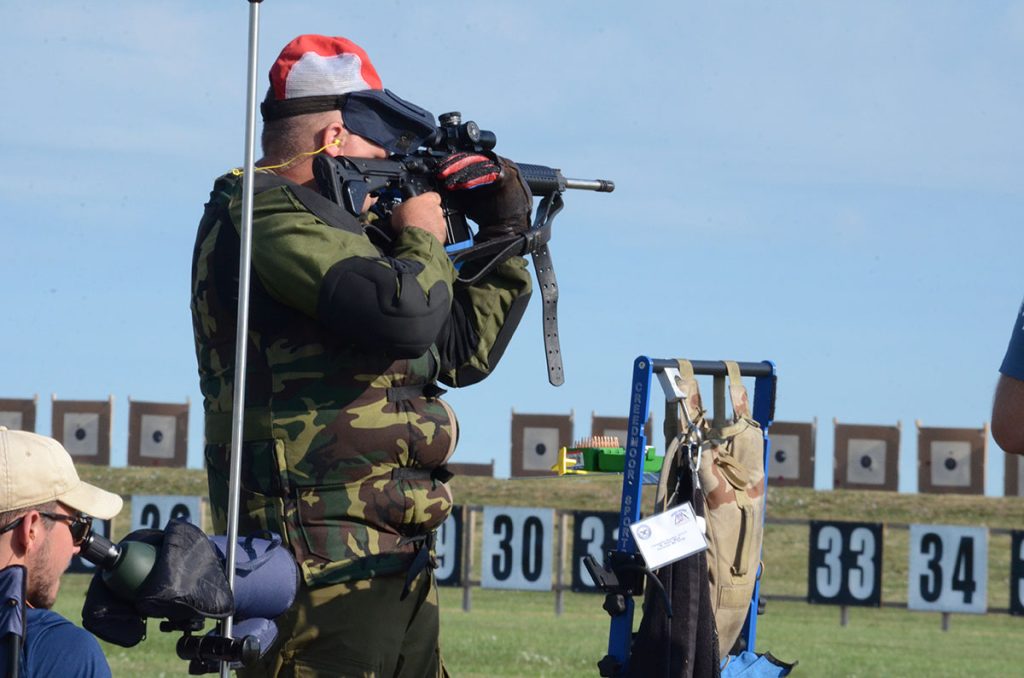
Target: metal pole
467, 584
563, 524
242, 331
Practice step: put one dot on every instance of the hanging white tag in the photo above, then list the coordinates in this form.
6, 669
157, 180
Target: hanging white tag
670, 536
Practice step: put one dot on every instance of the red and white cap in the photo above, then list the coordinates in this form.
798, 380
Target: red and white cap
313, 72
317, 73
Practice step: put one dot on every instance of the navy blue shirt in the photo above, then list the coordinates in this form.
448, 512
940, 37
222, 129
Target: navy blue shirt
1013, 361
56, 647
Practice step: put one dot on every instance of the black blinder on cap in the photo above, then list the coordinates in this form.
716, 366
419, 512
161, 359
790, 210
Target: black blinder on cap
387, 120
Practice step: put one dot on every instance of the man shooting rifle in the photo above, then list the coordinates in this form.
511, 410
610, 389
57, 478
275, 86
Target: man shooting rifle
351, 327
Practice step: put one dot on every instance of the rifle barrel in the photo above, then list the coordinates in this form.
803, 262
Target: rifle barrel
599, 185
547, 180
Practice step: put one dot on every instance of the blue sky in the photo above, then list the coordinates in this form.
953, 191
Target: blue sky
833, 186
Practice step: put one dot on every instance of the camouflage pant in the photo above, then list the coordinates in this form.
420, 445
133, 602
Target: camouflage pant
360, 629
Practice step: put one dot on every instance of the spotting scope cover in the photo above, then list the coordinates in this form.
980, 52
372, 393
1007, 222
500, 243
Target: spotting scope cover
177, 574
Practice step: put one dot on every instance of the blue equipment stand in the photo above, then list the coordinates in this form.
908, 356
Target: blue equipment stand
626, 555
12, 618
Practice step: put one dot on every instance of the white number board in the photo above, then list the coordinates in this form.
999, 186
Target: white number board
517, 548
156, 510
948, 568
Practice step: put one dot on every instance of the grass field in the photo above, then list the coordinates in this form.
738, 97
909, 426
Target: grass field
510, 633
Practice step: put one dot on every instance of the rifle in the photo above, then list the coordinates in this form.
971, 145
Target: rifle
347, 181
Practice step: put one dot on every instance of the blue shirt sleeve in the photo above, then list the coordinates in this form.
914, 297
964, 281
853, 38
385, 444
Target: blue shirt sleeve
1013, 361
56, 647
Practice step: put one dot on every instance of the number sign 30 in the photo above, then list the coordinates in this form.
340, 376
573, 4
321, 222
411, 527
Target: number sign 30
517, 548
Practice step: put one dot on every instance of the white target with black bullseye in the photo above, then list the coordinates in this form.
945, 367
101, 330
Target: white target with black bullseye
951, 460
951, 463
536, 441
790, 460
82, 434
540, 448
784, 458
18, 414
84, 428
865, 462
157, 436
12, 420
948, 568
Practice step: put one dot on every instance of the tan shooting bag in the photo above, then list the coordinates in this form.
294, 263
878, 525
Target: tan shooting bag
731, 474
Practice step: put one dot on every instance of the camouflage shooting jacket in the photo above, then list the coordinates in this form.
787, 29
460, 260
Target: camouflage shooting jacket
347, 335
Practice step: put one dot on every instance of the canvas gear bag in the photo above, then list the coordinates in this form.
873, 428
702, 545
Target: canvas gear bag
683, 645
731, 475
729, 463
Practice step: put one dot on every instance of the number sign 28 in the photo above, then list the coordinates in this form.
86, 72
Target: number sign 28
155, 511
517, 548
845, 563
948, 568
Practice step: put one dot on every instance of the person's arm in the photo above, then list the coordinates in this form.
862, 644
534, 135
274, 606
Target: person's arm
483, 318
396, 304
1008, 408
492, 192
1008, 414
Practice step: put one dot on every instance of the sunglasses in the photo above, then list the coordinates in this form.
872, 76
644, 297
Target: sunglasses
79, 524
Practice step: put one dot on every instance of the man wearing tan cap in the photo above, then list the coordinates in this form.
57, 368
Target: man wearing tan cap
46, 513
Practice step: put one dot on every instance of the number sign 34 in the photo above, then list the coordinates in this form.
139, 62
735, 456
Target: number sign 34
948, 568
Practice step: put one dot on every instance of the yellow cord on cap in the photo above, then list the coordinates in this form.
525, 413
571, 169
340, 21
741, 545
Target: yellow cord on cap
238, 171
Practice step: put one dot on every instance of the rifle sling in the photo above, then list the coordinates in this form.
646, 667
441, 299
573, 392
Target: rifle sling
545, 270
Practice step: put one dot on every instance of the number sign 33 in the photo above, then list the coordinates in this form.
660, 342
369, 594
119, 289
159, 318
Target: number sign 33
845, 563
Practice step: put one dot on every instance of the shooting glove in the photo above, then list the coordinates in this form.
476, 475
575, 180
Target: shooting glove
461, 171
489, 191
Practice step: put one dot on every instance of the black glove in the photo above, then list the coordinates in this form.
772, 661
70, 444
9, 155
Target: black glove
489, 191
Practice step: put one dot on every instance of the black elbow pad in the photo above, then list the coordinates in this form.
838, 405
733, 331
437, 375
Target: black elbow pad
383, 307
